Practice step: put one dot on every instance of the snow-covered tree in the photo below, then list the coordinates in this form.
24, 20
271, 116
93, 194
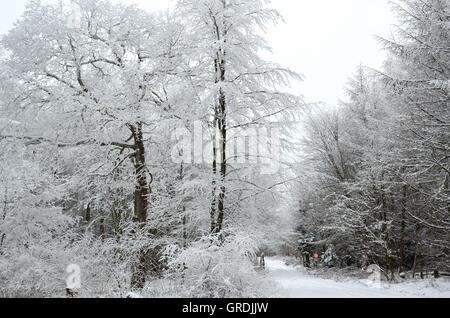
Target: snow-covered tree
237, 89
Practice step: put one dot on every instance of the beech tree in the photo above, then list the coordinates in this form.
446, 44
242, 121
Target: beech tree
94, 87
236, 87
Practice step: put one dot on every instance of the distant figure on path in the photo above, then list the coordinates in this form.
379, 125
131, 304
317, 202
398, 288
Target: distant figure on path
262, 262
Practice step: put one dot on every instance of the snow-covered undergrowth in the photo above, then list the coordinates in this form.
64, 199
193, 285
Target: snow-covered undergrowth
207, 268
213, 270
40, 271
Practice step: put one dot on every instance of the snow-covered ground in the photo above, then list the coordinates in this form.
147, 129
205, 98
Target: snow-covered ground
296, 283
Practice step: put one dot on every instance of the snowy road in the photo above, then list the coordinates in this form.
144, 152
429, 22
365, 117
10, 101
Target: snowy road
297, 284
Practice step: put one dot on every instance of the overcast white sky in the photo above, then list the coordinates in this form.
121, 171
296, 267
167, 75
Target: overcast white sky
325, 40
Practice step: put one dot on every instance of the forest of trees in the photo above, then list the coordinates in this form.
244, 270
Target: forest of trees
92, 93
375, 180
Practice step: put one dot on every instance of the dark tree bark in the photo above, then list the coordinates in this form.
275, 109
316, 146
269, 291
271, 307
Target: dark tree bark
213, 209
5, 211
220, 121
402, 231
183, 212
385, 235
141, 203
223, 164
88, 213
102, 225
221, 117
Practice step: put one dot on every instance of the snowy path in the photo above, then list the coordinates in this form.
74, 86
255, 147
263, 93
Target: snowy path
295, 284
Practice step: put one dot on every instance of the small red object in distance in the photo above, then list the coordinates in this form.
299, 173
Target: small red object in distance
316, 255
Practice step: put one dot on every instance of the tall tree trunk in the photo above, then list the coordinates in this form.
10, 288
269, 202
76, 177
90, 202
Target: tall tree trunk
402, 233
223, 148
221, 123
213, 209
183, 211
5, 211
141, 203
447, 187
220, 119
385, 231
102, 225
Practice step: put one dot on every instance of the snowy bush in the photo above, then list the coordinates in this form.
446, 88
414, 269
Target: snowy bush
211, 268
34, 254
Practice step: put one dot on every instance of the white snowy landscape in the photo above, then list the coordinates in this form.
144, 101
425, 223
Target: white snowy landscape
215, 149
296, 282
